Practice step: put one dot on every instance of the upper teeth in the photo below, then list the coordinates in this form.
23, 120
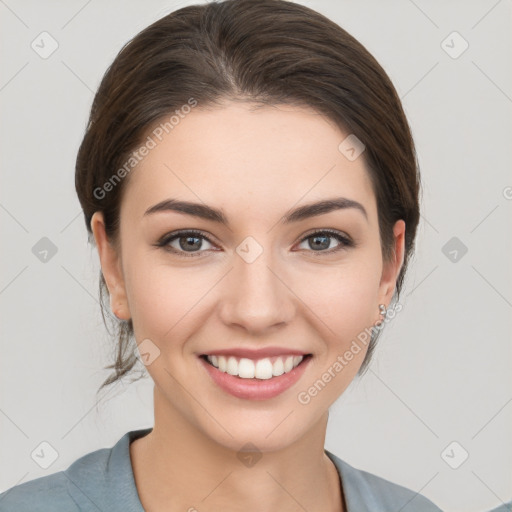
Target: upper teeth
260, 369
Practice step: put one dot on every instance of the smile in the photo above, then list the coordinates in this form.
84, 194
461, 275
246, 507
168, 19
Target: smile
255, 379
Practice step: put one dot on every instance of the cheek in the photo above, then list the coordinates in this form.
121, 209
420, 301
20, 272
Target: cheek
344, 299
160, 296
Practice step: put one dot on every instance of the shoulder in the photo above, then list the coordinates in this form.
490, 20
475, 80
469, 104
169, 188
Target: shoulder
366, 491
58, 491
44, 494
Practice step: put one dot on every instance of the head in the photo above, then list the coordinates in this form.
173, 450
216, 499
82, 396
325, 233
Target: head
249, 109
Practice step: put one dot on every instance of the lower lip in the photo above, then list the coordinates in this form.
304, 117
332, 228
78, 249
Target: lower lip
255, 389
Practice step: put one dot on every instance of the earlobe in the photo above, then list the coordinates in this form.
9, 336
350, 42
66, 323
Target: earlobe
110, 268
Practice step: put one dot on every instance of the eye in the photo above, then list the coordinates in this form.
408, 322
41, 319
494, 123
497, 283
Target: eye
189, 243
186, 243
320, 241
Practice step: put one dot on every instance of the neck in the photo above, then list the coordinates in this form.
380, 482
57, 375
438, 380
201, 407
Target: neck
177, 467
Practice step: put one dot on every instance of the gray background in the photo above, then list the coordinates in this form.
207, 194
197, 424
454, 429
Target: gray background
442, 370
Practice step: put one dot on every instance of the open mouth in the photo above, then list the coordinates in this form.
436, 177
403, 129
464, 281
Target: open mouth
261, 369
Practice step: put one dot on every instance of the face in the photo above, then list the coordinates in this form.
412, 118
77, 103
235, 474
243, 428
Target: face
253, 281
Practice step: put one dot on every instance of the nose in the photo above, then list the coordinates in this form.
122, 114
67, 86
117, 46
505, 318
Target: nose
255, 294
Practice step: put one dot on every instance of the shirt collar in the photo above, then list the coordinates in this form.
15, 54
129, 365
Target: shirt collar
103, 480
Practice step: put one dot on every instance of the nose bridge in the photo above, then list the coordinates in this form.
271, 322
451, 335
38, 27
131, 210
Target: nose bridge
257, 297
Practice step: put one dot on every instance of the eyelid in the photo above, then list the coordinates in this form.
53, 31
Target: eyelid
170, 237
330, 231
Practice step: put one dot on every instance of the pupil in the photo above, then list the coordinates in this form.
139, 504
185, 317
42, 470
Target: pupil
324, 245
189, 244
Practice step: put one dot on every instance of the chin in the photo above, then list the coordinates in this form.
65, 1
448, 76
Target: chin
267, 430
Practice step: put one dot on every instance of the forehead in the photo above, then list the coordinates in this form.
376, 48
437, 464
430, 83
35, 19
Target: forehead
238, 155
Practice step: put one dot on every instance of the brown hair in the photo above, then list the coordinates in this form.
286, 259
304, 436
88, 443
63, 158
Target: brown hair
264, 51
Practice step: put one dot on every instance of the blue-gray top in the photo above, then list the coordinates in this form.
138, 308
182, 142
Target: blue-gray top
103, 481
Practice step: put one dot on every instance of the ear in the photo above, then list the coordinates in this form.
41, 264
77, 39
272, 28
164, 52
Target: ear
391, 269
111, 268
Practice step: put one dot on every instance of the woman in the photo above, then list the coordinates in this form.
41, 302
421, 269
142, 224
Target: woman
251, 184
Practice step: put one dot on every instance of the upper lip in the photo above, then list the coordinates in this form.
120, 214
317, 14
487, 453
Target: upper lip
260, 353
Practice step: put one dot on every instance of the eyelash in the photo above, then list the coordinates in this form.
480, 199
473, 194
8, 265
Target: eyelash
164, 242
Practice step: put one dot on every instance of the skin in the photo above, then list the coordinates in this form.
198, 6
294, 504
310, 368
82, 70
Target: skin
254, 165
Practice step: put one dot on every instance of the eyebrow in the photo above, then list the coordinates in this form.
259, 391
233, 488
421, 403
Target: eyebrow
300, 213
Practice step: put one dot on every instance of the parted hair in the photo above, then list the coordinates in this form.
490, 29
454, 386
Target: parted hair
268, 52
